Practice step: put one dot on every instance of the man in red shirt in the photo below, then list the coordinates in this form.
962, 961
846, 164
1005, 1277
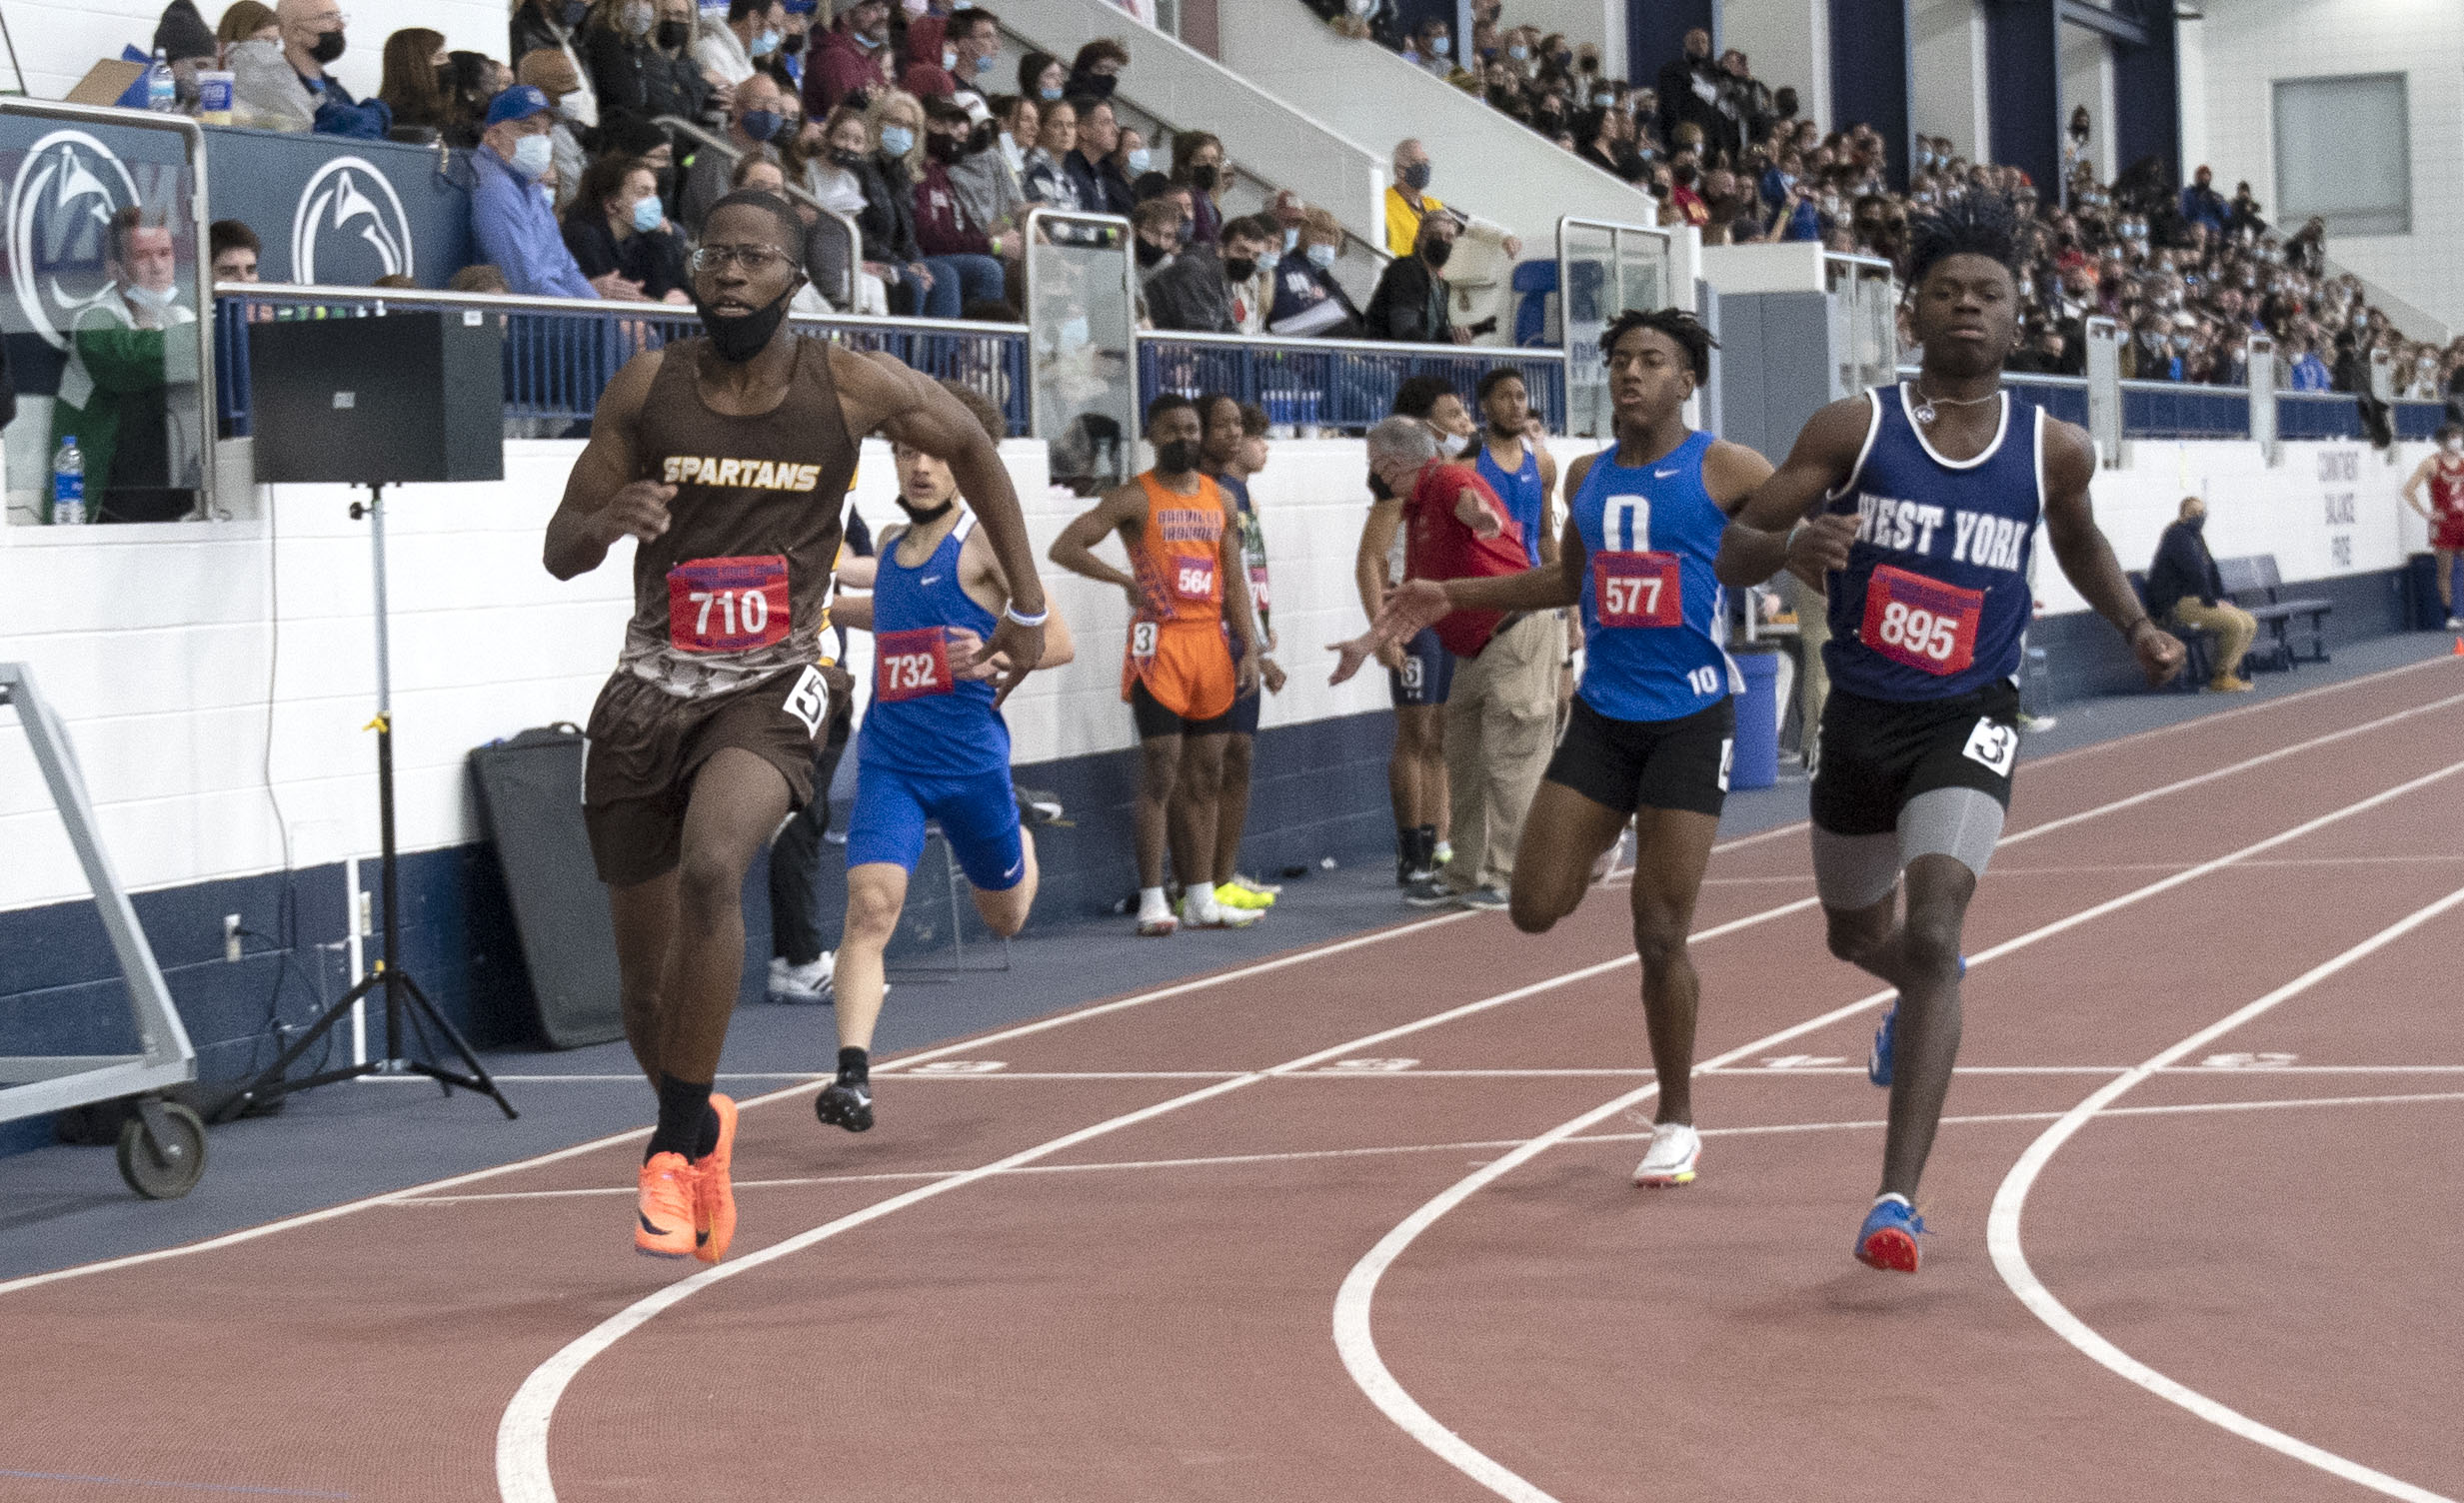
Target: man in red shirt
848, 59
1502, 713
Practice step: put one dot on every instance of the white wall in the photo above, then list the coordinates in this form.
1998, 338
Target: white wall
58, 40
1947, 40
2251, 43
156, 643
1789, 43
1581, 20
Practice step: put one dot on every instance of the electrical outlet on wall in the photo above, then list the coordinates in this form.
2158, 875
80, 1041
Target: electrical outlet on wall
230, 938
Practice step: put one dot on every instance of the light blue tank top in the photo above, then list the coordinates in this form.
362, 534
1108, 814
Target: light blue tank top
1652, 608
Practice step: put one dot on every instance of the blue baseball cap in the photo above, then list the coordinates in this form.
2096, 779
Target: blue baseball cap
520, 102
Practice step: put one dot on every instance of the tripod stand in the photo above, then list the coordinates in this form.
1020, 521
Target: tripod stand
401, 993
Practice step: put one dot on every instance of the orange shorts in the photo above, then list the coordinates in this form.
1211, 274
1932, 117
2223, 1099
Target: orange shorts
1186, 666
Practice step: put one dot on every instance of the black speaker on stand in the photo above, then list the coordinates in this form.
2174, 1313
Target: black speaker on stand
377, 401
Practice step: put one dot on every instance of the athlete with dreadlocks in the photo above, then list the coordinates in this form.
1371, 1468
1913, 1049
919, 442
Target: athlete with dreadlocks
1652, 723
1921, 502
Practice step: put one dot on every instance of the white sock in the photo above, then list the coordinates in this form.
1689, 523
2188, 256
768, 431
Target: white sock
1151, 904
1895, 1195
1202, 906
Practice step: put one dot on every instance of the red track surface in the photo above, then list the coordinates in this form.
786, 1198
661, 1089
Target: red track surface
1105, 1319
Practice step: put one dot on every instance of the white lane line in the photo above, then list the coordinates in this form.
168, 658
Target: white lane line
2215, 716
1303, 1155
2002, 1229
522, 1434
2103, 868
1357, 1343
1299, 956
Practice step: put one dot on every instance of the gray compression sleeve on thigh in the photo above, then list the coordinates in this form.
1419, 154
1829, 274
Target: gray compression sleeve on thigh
1855, 872
1962, 823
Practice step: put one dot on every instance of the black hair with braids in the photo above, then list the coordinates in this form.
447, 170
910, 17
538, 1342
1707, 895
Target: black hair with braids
1676, 324
1973, 224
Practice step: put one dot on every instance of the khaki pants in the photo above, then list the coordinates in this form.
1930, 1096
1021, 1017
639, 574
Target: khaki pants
1814, 628
1500, 726
2234, 629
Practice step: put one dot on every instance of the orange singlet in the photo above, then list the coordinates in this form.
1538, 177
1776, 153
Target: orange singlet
1177, 644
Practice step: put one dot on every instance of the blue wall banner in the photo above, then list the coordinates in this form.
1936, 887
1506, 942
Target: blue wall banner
340, 211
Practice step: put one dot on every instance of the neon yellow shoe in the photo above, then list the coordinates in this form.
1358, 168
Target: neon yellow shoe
1232, 894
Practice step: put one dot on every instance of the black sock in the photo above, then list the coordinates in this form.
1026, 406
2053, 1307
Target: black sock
707, 1142
684, 1106
855, 1065
1407, 842
1427, 847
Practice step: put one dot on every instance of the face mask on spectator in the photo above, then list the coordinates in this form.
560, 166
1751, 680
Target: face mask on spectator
948, 58
1416, 176
1184, 234
1099, 85
533, 155
1203, 177
984, 64
766, 44
1239, 267
847, 158
1148, 253
648, 215
638, 18
2453, 446
1268, 260
1519, 52
760, 125
1441, 46
943, 148
1439, 251
156, 298
674, 34
792, 43
329, 47
575, 12
1049, 93
1291, 242
1321, 255
1140, 160
897, 140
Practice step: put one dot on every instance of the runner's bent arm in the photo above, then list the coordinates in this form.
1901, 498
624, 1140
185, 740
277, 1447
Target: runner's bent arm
1368, 566
1120, 511
2087, 561
1757, 543
854, 612
1556, 582
1238, 612
982, 579
1548, 505
603, 502
2413, 484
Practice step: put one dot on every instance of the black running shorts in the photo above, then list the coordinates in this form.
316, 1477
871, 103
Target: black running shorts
1631, 764
1154, 717
1876, 754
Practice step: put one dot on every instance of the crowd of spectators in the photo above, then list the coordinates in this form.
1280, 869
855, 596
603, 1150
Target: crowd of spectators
2191, 275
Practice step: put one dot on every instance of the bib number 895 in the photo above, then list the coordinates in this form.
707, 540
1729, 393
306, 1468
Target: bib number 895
1920, 630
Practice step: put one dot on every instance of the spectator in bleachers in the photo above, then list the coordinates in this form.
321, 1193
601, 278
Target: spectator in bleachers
412, 82
246, 21
479, 278
114, 391
754, 123
2203, 205
1411, 303
974, 38
2309, 373
732, 46
1043, 78
637, 63
470, 82
1688, 87
1253, 295
894, 122
1157, 226
1095, 70
986, 186
960, 252
1044, 180
555, 26
1409, 202
1021, 122
1102, 187
1205, 293
2183, 588
552, 73
616, 226
233, 249
1198, 165
512, 224
288, 88
835, 175
1308, 302
853, 61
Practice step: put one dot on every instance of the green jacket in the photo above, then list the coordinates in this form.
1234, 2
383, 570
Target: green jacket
118, 375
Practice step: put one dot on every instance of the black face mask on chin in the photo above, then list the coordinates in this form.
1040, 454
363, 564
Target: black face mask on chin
329, 47
1179, 457
1437, 252
737, 340
921, 517
674, 34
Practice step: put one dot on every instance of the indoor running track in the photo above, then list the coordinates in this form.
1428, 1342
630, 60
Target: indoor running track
1355, 1223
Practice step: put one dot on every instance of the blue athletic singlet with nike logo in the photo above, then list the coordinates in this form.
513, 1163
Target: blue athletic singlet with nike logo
1936, 600
950, 728
1526, 500
1652, 645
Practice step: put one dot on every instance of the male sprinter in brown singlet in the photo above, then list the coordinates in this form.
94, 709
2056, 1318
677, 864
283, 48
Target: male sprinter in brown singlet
1187, 584
727, 458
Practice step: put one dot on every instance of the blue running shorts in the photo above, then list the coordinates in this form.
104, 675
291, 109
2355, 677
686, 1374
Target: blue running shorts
977, 812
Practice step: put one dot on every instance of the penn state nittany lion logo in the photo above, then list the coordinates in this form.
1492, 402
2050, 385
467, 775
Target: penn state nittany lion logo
349, 228
59, 219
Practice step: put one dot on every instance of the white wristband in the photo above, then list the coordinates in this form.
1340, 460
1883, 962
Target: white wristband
1010, 613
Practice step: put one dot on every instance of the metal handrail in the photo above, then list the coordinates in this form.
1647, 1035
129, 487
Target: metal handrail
1360, 346
516, 303
719, 143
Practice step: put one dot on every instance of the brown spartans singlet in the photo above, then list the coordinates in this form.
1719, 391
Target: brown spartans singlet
739, 586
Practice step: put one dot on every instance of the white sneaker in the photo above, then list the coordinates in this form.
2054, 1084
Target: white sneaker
1675, 1147
807, 984
1206, 913
2455, 622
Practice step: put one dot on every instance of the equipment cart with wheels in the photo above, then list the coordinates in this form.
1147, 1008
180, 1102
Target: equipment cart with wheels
162, 1145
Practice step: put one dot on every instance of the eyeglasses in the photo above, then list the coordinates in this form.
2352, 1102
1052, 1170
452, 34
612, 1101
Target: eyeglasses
755, 258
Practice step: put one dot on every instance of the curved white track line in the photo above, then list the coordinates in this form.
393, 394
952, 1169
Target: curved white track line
2002, 1230
1358, 1344
522, 1434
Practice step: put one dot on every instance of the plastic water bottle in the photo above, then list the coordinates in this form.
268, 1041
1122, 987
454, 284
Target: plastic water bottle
162, 94
68, 484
